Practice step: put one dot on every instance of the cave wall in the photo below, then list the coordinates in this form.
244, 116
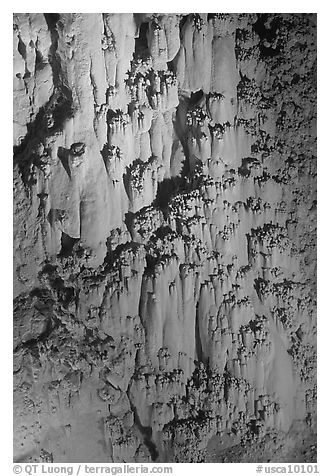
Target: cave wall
164, 235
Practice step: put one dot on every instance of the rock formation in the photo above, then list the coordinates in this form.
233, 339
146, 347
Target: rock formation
164, 237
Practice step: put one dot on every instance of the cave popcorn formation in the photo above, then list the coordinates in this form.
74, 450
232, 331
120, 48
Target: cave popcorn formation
164, 237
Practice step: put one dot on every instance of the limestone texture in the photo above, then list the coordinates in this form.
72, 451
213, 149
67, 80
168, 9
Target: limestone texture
164, 237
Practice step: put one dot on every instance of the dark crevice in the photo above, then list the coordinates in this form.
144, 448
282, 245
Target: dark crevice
21, 48
198, 342
151, 262
196, 97
141, 42
51, 19
54, 61
167, 189
180, 128
63, 155
129, 220
183, 21
67, 243
39, 63
171, 66
146, 433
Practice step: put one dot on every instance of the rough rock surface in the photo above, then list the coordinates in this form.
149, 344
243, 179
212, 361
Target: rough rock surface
164, 237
